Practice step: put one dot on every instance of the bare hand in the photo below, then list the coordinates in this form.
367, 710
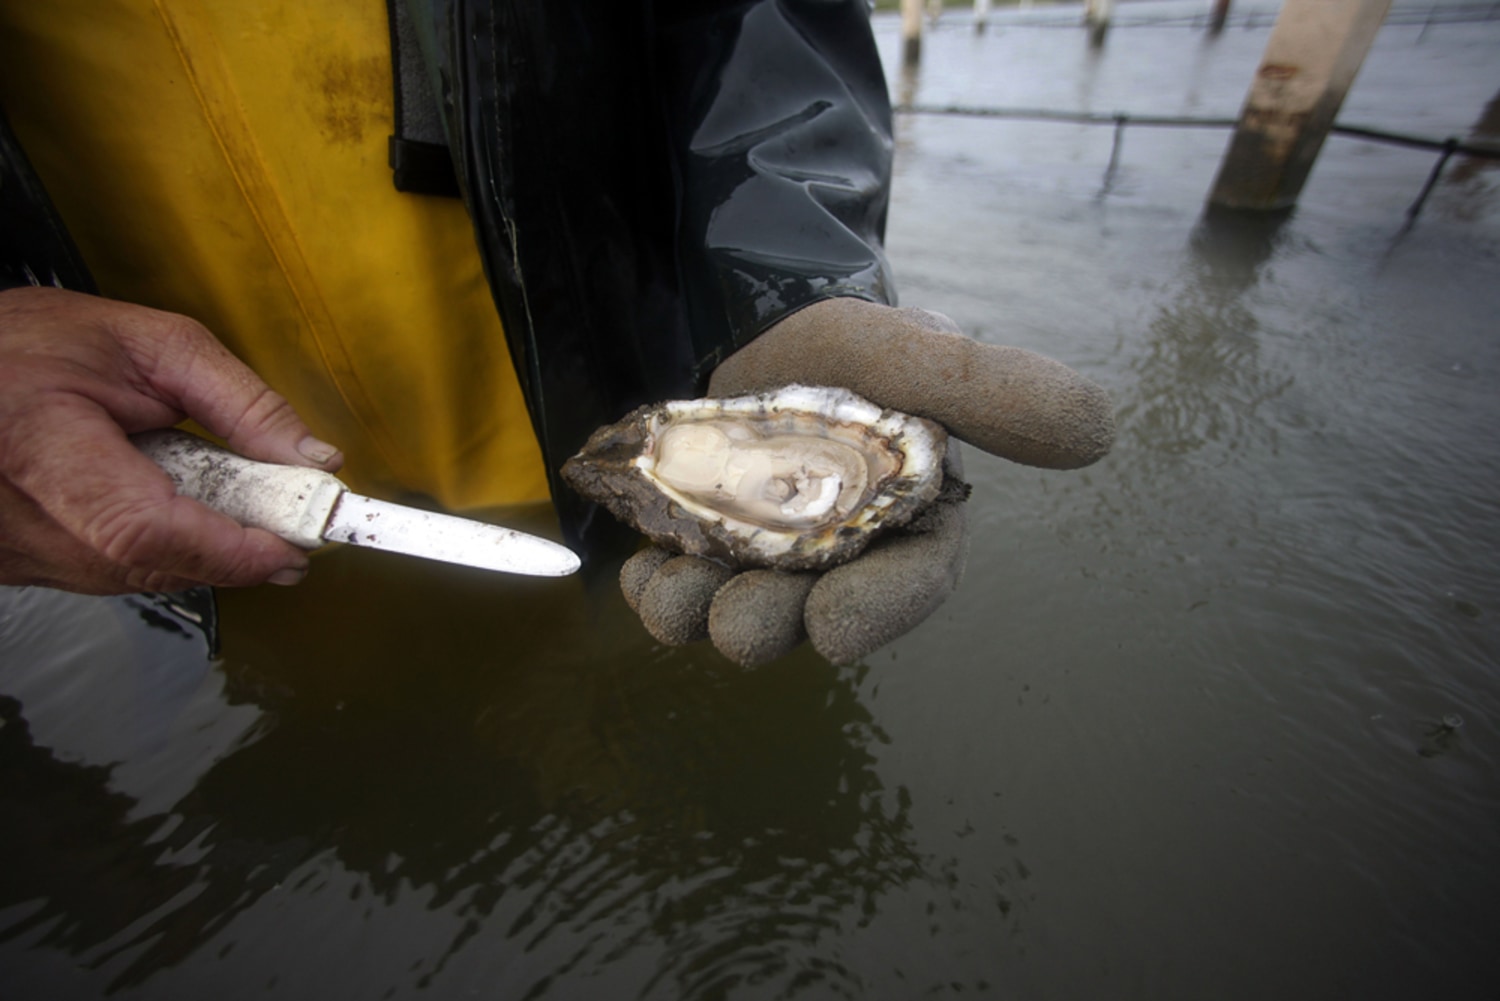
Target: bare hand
80, 508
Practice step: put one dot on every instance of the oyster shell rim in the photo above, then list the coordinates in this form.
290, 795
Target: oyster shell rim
600, 469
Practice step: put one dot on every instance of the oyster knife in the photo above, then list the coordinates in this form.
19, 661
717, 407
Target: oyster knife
308, 507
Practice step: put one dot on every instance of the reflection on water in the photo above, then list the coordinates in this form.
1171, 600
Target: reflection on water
553, 787
1198, 379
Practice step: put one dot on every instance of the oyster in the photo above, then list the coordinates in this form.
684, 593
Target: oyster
798, 478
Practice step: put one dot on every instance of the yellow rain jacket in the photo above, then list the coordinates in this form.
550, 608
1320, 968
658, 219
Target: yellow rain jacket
228, 161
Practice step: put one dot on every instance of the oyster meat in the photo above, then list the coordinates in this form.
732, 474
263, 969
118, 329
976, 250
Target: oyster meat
798, 478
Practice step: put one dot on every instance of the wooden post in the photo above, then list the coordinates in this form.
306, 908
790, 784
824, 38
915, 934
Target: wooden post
1220, 15
981, 14
1096, 17
1314, 52
911, 32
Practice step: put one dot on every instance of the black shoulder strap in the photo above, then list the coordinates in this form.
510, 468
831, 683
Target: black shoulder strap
35, 248
419, 157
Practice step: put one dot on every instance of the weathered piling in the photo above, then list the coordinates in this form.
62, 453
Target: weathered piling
1219, 16
1096, 14
911, 32
1311, 59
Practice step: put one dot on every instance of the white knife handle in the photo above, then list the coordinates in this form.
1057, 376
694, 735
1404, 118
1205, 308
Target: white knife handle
293, 502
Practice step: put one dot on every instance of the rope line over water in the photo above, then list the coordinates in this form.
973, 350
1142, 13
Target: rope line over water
1406, 16
1446, 148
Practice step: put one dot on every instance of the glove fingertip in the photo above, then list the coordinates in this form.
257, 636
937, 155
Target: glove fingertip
637, 573
675, 601
858, 608
757, 617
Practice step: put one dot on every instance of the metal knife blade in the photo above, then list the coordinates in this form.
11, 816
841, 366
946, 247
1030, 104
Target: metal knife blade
365, 521
308, 507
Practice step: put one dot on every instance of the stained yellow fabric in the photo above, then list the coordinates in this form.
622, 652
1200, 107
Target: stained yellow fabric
227, 160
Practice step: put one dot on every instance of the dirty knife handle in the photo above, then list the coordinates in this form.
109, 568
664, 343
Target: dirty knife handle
293, 502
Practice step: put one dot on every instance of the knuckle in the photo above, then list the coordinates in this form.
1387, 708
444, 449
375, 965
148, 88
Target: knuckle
129, 535
156, 336
182, 328
264, 412
158, 341
266, 408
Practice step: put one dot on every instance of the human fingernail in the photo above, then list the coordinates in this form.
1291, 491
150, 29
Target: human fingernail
287, 577
316, 450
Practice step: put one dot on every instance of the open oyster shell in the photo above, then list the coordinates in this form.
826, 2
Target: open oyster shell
799, 478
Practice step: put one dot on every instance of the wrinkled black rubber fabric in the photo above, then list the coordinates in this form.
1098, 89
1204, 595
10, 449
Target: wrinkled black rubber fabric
35, 248
654, 184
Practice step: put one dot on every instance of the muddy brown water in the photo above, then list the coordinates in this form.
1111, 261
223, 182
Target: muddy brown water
1216, 718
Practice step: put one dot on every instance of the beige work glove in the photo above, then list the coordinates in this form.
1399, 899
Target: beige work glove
1010, 402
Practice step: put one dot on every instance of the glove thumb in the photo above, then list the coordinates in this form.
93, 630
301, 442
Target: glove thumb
1008, 401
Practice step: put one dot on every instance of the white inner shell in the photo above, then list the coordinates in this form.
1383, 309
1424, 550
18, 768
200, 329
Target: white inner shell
802, 469
776, 480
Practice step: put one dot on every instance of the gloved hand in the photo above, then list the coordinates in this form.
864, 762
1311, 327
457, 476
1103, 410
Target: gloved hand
1010, 402
80, 508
